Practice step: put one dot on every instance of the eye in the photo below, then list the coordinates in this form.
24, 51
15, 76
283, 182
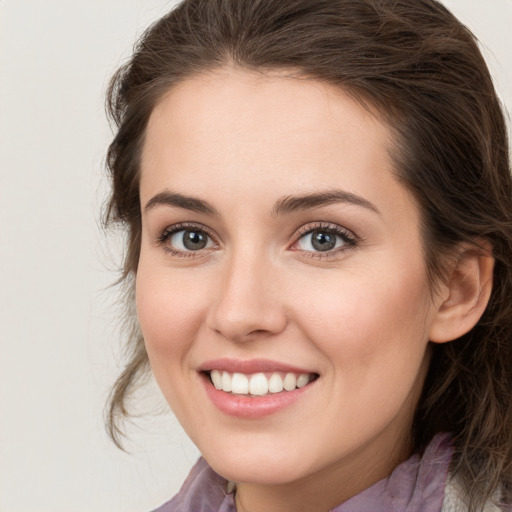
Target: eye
190, 240
320, 241
180, 239
324, 239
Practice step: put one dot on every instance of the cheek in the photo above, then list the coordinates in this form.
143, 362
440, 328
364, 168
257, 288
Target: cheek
168, 315
365, 317
169, 312
373, 330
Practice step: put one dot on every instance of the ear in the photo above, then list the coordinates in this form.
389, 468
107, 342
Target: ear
465, 294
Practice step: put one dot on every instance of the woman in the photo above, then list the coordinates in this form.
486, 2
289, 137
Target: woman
318, 202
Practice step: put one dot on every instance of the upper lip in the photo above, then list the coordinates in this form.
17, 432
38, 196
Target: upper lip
250, 366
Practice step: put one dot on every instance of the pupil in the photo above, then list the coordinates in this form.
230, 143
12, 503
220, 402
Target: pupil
323, 241
194, 240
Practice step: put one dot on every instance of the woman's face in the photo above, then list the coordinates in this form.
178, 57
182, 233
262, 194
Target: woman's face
278, 249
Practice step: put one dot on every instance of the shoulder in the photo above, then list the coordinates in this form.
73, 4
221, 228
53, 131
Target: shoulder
203, 491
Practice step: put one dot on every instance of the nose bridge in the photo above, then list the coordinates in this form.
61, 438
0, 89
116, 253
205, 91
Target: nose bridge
247, 301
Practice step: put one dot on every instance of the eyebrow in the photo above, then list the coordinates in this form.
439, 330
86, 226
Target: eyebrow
283, 206
178, 200
290, 204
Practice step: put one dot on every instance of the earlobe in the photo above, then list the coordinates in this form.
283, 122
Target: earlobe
466, 293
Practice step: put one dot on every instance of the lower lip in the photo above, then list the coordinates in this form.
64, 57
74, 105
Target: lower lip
252, 407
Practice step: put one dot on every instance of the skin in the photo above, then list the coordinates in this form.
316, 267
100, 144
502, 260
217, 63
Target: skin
360, 317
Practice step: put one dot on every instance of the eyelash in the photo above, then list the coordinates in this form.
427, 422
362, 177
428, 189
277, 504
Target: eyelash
350, 240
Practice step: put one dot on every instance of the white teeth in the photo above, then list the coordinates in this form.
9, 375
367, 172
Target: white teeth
216, 379
302, 380
290, 382
240, 384
258, 384
226, 382
275, 383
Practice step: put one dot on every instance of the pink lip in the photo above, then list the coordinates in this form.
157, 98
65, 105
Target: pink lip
250, 366
246, 407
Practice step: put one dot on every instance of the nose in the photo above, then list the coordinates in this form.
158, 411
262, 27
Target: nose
247, 303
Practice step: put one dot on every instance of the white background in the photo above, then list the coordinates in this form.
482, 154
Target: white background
59, 339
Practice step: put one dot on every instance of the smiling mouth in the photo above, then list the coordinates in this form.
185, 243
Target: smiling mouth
259, 384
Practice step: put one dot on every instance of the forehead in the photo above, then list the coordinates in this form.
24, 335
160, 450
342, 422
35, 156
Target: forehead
228, 100
273, 134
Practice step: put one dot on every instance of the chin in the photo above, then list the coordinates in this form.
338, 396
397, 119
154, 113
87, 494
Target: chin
257, 466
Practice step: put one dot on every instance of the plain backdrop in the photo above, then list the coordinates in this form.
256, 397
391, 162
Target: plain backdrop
59, 329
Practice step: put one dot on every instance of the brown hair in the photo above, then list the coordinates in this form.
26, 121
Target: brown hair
415, 63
